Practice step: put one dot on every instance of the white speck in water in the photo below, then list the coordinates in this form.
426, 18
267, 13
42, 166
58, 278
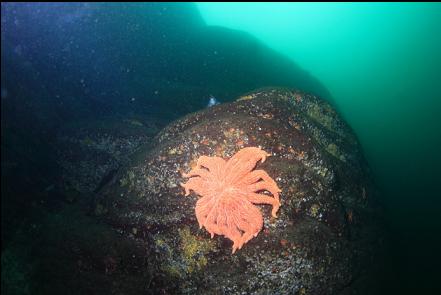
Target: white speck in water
212, 101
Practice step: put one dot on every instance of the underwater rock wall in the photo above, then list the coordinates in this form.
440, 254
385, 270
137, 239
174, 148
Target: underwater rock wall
327, 233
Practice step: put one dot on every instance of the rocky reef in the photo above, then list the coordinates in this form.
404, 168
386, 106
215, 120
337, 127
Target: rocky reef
325, 239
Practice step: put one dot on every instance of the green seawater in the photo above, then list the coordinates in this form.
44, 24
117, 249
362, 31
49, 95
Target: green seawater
381, 62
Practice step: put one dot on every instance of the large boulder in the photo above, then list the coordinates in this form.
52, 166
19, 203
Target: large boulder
325, 237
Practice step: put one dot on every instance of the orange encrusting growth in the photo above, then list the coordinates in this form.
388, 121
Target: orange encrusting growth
228, 190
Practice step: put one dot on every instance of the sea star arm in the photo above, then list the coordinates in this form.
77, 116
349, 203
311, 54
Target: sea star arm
214, 164
243, 162
256, 175
195, 184
203, 208
263, 185
232, 231
250, 221
198, 172
263, 199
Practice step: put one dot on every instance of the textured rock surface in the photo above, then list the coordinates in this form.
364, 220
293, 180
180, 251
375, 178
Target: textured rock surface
89, 152
327, 230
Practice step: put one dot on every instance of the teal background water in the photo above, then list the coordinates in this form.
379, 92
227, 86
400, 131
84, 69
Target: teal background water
381, 63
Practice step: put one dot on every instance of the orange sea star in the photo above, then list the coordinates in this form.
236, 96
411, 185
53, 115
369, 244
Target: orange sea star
228, 190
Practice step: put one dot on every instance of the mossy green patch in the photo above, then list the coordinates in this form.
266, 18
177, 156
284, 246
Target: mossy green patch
128, 179
321, 114
190, 256
335, 151
194, 250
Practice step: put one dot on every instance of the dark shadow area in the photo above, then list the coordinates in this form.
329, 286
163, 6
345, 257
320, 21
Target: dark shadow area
64, 63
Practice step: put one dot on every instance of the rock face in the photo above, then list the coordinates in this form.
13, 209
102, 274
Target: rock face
324, 238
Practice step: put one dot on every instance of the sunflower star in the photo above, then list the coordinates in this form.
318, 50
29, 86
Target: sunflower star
228, 190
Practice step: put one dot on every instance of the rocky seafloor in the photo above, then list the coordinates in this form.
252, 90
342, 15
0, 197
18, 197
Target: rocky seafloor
124, 226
